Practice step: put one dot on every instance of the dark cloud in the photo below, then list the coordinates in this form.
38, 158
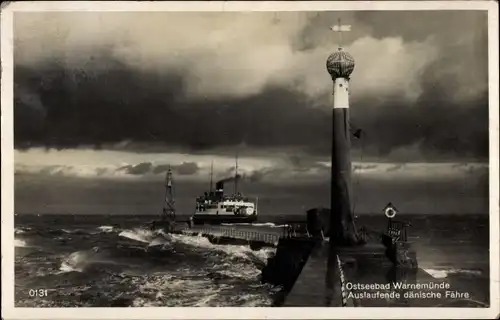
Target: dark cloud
394, 168
161, 168
364, 166
138, 169
105, 98
94, 114
274, 174
185, 168
302, 163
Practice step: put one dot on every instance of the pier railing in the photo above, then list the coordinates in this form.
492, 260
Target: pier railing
296, 230
270, 236
397, 230
266, 237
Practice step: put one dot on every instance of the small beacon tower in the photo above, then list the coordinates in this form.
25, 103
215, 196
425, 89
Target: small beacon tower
340, 66
168, 213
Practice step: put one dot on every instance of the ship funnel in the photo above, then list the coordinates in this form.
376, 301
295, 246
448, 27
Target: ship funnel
219, 189
219, 186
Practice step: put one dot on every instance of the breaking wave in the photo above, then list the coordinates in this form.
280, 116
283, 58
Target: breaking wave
159, 238
154, 269
264, 224
235, 250
105, 228
69, 231
78, 260
138, 234
20, 230
66, 267
20, 243
159, 241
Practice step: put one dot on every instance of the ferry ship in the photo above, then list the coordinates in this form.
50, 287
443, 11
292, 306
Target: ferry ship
215, 207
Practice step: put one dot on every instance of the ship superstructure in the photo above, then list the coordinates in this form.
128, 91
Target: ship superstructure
215, 207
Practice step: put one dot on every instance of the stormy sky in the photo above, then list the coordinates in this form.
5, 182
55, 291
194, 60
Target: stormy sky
124, 94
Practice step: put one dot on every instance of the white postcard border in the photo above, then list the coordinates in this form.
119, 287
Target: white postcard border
7, 157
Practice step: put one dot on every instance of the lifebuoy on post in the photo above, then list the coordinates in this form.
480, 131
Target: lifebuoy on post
390, 212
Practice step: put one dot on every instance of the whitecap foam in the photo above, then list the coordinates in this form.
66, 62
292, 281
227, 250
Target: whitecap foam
254, 300
137, 234
444, 273
152, 238
159, 241
263, 224
105, 228
66, 267
21, 230
78, 260
156, 291
270, 224
240, 272
20, 243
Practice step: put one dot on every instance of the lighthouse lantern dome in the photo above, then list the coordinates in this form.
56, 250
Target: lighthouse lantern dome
340, 64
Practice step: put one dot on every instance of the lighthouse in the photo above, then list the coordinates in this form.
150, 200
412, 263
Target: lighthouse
340, 65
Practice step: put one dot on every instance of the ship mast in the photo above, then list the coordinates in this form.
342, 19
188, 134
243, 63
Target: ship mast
211, 176
236, 176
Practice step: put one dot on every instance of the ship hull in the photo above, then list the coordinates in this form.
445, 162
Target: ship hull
219, 219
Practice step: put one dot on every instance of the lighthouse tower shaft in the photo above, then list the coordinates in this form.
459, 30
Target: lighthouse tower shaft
342, 222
